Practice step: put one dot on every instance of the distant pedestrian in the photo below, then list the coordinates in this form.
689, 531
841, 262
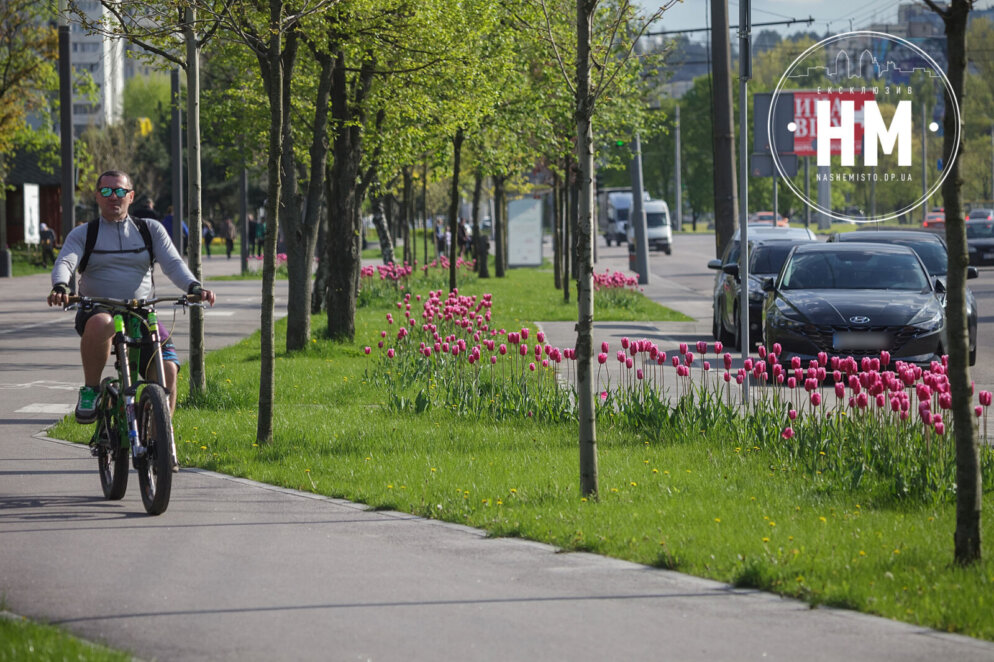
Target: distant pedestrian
228, 232
47, 238
208, 232
260, 237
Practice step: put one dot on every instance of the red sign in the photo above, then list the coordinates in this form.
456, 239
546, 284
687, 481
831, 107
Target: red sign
806, 118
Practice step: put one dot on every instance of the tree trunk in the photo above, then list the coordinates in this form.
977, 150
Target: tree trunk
382, 229
477, 239
343, 252
198, 372
557, 252
301, 231
454, 206
968, 477
567, 249
500, 247
584, 235
723, 132
424, 207
272, 68
407, 213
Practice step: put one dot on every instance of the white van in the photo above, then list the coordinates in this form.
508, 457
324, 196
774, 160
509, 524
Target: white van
659, 232
619, 206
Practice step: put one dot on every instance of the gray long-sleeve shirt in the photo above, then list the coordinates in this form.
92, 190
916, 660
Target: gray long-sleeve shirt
119, 265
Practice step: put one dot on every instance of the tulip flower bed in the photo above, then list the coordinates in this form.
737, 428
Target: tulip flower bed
849, 424
383, 283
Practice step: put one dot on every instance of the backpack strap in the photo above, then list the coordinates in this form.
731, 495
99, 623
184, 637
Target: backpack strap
93, 227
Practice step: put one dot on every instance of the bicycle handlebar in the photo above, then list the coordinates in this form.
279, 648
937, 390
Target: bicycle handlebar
135, 304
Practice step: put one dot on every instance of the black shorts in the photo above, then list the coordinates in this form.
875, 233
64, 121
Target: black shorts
145, 356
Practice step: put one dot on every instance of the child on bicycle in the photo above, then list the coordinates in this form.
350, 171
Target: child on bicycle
118, 264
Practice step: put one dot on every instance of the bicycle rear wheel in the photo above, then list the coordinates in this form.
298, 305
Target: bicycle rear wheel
111, 459
155, 471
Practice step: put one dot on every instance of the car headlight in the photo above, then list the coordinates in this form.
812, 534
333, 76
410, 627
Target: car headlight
780, 321
928, 319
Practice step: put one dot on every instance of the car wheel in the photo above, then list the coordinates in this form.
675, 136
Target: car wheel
973, 355
607, 238
668, 250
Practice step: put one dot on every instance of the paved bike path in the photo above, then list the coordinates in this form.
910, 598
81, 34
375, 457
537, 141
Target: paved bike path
240, 570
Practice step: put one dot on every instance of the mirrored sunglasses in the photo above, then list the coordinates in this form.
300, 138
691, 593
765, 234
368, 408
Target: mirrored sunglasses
119, 192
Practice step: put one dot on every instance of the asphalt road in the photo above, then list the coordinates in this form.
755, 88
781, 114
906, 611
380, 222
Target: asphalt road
237, 570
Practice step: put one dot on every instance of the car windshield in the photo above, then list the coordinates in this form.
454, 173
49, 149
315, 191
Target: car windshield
622, 214
979, 230
769, 258
655, 219
854, 270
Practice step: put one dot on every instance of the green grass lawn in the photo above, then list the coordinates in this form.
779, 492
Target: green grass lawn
701, 498
21, 639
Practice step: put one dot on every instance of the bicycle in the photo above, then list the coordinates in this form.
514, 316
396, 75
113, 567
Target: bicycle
143, 434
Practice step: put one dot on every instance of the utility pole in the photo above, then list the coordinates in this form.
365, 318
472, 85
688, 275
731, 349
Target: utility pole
637, 217
68, 192
678, 168
745, 73
176, 156
723, 136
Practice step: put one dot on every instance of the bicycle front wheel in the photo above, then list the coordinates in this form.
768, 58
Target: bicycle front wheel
112, 459
155, 470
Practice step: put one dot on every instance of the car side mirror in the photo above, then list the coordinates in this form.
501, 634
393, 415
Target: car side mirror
940, 287
731, 269
972, 272
768, 285
714, 264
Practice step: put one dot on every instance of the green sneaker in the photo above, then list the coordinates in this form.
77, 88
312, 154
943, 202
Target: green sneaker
86, 406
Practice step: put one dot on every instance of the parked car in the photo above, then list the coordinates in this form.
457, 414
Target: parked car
769, 219
980, 215
766, 257
980, 241
855, 299
619, 205
931, 248
659, 233
934, 220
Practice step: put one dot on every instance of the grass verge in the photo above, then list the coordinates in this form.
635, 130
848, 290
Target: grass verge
21, 639
704, 500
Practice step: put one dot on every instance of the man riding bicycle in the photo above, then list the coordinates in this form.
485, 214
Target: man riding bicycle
115, 255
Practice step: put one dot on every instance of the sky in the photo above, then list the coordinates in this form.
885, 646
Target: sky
830, 15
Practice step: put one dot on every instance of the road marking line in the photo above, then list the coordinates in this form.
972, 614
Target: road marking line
42, 408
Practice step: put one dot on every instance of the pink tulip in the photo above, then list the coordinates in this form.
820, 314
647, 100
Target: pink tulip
707, 366
762, 352
840, 389
747, 364
788, 433
380, 344
605, 347
676, 361
945, 400
822, 359
885, 358
815, 398
940, 428
602, 358
689, 358
683, 348
629, 363
625, 342
639, 374
791, 382
502, 349
390, 353
978, 410
524, 334
540, 337
985, 398
603, 396
545, 363
880, 399
493, 360
718, 347
523, 349
728, 378
531, 366
367, 349
792, 414
702, 347
862, 400
727, 358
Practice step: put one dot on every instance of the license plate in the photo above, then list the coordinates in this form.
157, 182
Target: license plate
864, 340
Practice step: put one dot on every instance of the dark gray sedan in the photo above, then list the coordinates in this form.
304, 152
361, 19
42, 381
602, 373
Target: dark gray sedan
855, 299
